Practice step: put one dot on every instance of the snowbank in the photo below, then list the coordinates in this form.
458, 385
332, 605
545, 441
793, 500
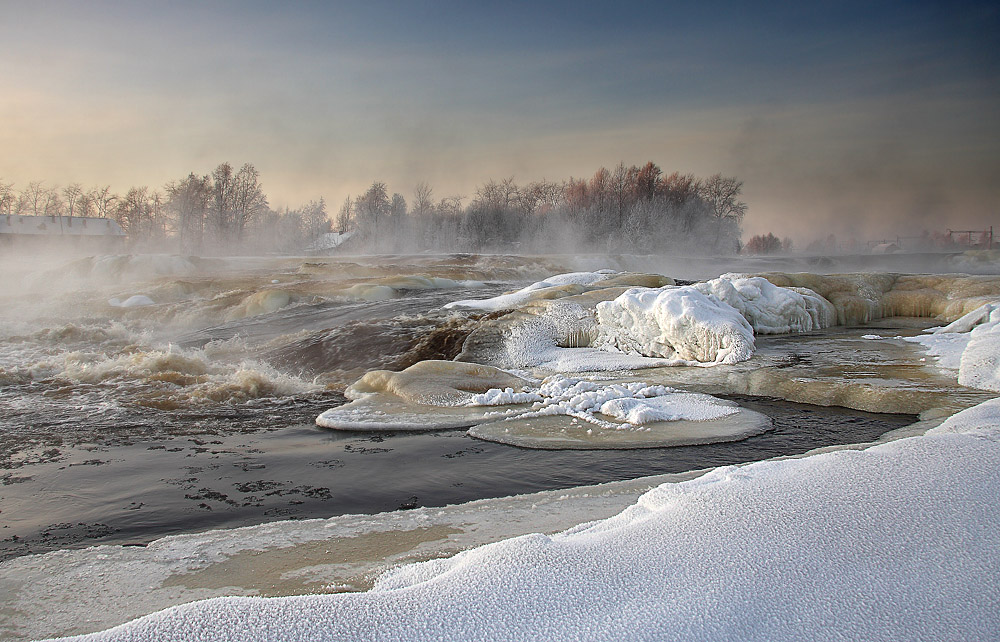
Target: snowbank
971, 345
679, 322
898, 541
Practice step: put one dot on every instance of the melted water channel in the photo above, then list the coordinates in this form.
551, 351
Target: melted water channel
135, 491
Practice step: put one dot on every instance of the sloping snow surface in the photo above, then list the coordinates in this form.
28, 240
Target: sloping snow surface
900, 541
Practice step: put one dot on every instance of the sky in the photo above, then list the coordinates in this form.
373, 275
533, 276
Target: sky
862, 119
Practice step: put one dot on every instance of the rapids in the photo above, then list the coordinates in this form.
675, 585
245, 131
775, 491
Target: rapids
146, 395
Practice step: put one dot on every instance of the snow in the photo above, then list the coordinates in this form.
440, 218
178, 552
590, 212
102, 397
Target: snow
899, 541
437, 395
970, 345
633, 402
706, 323
134, 301
533, 291
771, 309
675, 322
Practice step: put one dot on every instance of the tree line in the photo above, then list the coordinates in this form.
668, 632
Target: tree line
624, 209
224, 211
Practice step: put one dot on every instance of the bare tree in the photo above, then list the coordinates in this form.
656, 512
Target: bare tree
249, 200
423, 201
103, 200
7, 198
188, 202
31, 199
72, 195
344, 216
370, 207
132, 213
722, 194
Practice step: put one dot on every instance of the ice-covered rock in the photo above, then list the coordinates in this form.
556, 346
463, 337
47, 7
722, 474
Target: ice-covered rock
770, 309
675, 322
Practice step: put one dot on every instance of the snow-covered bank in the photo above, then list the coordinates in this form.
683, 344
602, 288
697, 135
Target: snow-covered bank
898, 541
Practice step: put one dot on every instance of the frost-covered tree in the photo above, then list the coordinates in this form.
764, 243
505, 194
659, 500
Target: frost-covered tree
188, 203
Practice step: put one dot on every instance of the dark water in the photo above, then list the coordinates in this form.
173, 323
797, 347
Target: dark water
133, 490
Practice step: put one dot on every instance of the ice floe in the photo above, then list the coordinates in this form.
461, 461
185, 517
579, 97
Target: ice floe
560, 412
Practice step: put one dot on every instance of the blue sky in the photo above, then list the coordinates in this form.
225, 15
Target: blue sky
861, 118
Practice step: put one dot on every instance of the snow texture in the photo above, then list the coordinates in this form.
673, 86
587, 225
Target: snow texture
633, 403
900, 541
675, 322
771, 309
970, 344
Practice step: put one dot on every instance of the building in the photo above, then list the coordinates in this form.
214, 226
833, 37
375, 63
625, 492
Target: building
76, 232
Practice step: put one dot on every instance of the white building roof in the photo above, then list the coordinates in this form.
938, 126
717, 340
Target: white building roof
59, 226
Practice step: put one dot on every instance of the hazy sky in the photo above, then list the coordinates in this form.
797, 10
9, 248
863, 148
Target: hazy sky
859, 118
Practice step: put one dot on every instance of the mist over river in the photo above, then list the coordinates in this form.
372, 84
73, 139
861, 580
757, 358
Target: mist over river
148, 395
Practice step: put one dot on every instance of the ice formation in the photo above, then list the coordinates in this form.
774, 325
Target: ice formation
897, 541
680, 322
537, 290
562, 285
970, 344
711, 322
428, 395
134, 301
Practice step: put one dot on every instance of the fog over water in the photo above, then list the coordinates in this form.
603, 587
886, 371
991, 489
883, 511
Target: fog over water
212, 371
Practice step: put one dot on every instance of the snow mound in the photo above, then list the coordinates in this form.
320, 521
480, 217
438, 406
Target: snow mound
675, 322
582, 414
642, 327
771, 309
970, 344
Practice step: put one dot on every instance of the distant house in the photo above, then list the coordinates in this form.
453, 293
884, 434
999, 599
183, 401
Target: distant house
327, 242
885, 248
83, 232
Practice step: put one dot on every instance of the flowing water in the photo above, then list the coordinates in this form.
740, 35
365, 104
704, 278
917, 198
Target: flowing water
142, 396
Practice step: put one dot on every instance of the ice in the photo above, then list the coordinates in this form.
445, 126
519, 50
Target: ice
570, 413
897, 541
971, 345
134, 301
675, 322
434, 395
535, 290
771, 309
428, 395
263, 302
669, 407
711, 322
